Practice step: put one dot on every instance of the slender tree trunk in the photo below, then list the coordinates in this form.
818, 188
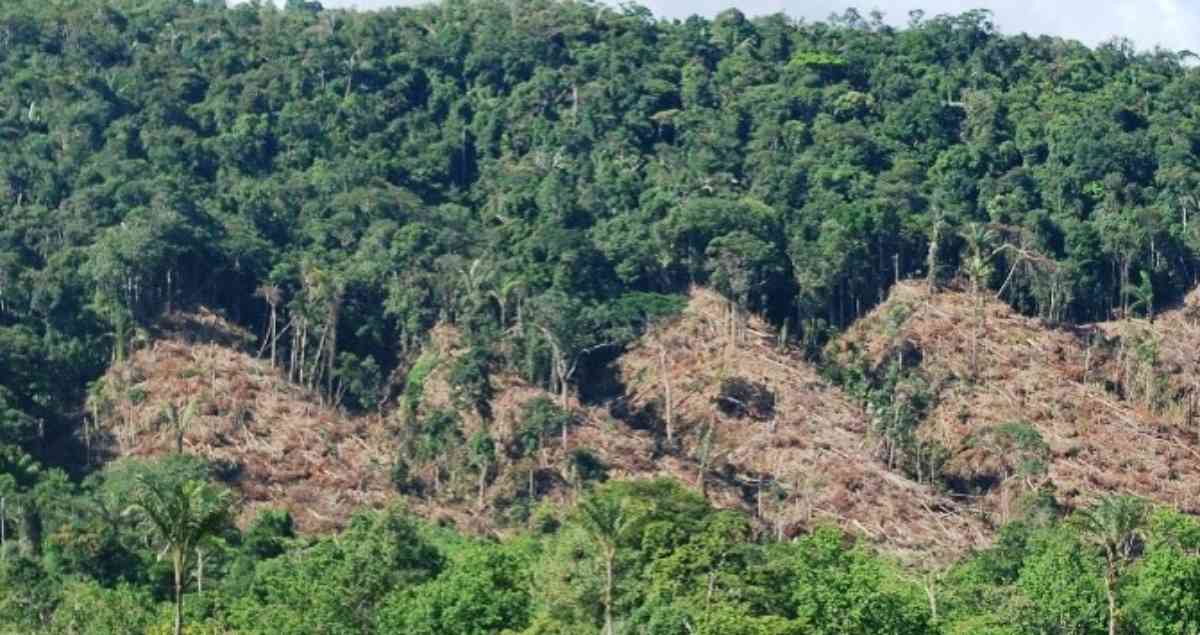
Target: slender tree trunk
1087, 360
1125, 266
482, 483
932, 257
335, 312
319, 362
303, 351
294, 355
609, 556
562, 386
758, 507
274, 331
669, 406
178, 592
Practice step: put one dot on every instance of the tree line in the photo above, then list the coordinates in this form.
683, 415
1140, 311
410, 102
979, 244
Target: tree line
151, 547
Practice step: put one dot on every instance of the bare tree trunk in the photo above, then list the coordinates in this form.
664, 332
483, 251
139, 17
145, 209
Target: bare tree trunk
178, 592
758, 498
303, 351
295, 351
609, 556
561, 371
274, 331
314, 379
1125, 266
669, 406
932, 257
482, 483
335, 311
200, 571
1087, 360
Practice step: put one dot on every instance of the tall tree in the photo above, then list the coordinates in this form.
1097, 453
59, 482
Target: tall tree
1114, 525
610, 521
183, 515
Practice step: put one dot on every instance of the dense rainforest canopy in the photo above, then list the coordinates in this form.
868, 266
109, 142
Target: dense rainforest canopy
549, 176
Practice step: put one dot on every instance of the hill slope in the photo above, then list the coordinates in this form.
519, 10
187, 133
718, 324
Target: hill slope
1107, 402
808, 461
805, 439
714, 400
274, 442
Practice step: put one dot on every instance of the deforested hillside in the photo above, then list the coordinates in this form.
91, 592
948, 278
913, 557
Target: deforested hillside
725, 389
751, 427
194, 391
1019, 404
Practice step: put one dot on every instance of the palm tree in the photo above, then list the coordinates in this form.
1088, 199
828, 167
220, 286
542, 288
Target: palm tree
978, 268
178, 421
482, 454
1143, 296
609, 521
1113, 525
184, 514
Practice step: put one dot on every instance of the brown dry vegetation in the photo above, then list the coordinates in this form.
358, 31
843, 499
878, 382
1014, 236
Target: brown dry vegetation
1113, 402
275, 441
812, 455
1105, 398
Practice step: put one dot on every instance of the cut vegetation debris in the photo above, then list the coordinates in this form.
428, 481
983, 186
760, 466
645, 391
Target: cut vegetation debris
273, 441
1000, 407
1078, 411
